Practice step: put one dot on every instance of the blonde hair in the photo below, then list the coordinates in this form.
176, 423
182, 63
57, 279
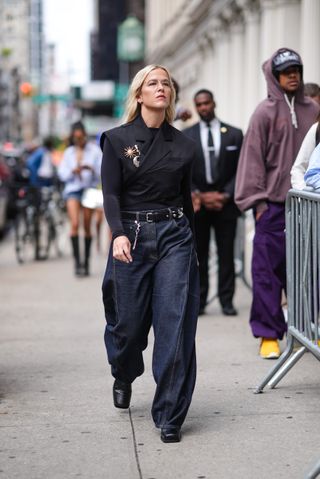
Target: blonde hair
133, 107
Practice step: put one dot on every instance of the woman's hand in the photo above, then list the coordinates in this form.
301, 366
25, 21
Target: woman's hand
122, 249
196, 201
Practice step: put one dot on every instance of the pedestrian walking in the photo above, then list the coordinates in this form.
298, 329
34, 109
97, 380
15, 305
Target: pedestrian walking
309, 143
312, 176
301, 163
313, 91
79, 170
182, 113
40, 165
217, 155
275, 133
151, 276
42, 174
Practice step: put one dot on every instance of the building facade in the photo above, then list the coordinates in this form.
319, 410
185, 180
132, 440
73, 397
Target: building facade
221, 45
14, 55
105, 64
36, 43
108, 15
21, 54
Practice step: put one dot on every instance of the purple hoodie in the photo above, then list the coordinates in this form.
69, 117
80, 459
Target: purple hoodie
271, 144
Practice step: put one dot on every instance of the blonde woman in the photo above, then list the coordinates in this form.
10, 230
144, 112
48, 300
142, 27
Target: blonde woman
152, 274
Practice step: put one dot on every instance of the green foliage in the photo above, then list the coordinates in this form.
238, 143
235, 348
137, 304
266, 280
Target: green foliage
6, 52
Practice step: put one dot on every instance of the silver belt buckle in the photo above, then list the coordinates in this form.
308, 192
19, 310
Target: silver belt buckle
147, 217
177, 214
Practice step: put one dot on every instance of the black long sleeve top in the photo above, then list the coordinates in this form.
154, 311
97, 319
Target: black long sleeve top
145, 169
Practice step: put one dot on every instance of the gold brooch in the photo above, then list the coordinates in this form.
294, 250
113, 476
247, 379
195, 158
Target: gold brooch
223, 129
133, 153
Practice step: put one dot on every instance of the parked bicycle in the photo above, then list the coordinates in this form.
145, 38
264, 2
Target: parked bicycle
25, 223
52, 216
38, 223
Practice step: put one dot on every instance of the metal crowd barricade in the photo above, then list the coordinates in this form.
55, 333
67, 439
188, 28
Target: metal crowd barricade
315, 472
303, 282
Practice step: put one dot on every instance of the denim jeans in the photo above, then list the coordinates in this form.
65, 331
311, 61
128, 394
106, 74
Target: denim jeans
159, 288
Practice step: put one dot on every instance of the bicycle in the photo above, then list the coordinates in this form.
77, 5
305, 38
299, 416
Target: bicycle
38, 223
51, 221
26, 224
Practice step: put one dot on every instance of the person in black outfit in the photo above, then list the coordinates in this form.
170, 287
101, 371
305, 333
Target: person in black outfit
152, 275
218, 149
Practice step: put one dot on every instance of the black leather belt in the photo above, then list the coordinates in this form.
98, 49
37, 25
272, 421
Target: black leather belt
153, 216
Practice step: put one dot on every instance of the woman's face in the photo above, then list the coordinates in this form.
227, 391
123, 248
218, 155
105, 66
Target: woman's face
156, 90
79, 138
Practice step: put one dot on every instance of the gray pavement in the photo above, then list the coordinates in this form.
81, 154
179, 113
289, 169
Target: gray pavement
57, 419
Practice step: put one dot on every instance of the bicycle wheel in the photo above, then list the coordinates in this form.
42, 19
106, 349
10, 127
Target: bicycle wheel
43, 237
55, 219
58, 232
24, 238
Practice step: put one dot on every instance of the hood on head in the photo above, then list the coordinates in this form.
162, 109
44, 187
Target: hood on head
279, 61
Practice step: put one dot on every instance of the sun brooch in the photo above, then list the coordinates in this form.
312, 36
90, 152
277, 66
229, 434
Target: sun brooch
133, 153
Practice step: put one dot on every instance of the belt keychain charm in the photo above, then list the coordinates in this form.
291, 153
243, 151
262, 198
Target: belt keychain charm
138, 227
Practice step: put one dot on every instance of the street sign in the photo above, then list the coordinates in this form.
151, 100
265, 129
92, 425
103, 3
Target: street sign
130, 42
120, 97
46, 98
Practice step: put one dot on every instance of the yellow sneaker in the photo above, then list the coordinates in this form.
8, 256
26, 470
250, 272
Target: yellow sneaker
269, 348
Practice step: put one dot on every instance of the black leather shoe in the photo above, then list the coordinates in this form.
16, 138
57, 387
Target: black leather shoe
170, 434
229, 310
121, 394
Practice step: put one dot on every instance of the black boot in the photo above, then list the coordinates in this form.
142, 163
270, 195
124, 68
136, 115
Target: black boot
121, 394
76, 255
87, 247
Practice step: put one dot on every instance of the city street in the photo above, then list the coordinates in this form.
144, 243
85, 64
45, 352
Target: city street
56, 413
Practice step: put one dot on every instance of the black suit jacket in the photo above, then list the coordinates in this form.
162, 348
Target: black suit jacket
231, 141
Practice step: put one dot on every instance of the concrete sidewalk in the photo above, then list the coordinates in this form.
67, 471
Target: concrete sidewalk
56, 413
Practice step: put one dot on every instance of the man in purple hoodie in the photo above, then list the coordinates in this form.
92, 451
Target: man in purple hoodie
275, 133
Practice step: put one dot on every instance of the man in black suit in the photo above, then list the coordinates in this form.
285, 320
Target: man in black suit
218, 149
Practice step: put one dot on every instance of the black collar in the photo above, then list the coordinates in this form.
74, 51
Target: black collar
143, 133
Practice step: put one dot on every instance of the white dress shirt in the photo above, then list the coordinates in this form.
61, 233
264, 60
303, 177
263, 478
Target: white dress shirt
92, 157
215, 130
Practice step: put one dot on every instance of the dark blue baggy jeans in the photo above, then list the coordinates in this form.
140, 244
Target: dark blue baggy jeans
159, 288
269, 274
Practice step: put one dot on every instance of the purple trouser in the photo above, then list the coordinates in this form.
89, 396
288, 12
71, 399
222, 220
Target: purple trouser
269, 274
